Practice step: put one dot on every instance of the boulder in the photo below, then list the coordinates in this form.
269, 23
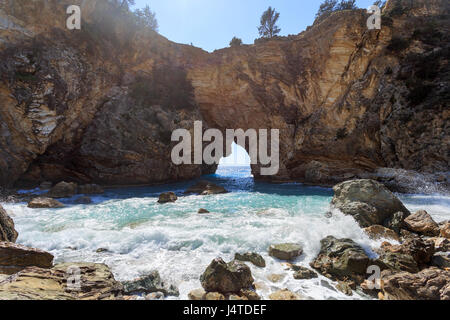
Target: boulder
7, 230
167, 197
205, 188
202, 211
421, 222
377, 232
396, 261
197, 294
285, 251
420, 250
68, 281
42, 202
428, 284
90, 189
83, 200
341, 259
226, 277
148, 284
441, 260
368, 201
396, 222
63, 190
284, 294
302, 273
252, 257
15, 257
445, 230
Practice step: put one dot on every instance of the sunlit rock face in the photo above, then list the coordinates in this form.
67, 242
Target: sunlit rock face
75, 104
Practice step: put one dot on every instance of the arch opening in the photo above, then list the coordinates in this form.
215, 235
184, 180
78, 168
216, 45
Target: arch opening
237, 163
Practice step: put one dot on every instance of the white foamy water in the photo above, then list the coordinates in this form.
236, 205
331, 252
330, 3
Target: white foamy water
142, 235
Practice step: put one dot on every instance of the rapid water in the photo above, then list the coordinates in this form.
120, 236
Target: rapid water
142, 235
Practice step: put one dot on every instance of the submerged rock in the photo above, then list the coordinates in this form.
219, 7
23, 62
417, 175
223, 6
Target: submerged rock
368, 201
205, 188
284, 294
83, 200
42, 202
167, 197
7, 229
341, 259
285, 251
226, 277
15, 257
202, 211
68, 281
252, 257
149, 284
421, 222
428, 284
90, 189
63, 190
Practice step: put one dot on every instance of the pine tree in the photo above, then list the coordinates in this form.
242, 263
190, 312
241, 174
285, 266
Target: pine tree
235, 42
268, 27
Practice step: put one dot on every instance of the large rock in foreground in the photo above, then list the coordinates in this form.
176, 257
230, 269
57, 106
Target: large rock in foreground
7, 230
341, 259
42, 202
226, 277
205, 188
15, 257
368, 201
87, 281
285, 251
421, 222
167, 197
428, 284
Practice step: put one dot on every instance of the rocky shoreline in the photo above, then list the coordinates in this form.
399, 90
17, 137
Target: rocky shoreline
414, 261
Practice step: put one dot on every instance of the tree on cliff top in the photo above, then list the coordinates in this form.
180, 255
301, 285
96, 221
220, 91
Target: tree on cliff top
330, 6
268, 27
147, 18
235, 42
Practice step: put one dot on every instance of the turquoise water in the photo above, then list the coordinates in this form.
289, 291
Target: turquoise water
142, 235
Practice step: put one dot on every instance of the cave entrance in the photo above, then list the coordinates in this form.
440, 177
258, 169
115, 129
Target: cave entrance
237, 164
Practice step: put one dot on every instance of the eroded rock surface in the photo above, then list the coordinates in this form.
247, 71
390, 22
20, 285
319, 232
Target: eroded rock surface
15, 257
7, 230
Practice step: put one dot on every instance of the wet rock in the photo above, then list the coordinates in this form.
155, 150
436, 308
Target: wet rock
419, 250
441, 260
46, 185
96, 282
90, 189
83, 200
368, 201
341, 259
205, 188
148, 284
167, 197
377, 232
252, 257
155, 296
396, 261
197, 294
213, 296
7, 229
226, 277
345, 288
445, 230
15, 257
302, 273
285, 251
42, 202
63, 190
285, 294
101, 250
396, 221
202, 211
428, 284
421, 222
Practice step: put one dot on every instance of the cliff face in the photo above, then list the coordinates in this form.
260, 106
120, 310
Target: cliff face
99, 105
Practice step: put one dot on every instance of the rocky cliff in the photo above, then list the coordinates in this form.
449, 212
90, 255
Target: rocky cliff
99, 104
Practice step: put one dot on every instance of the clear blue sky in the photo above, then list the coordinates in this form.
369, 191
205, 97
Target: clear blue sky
210, 24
